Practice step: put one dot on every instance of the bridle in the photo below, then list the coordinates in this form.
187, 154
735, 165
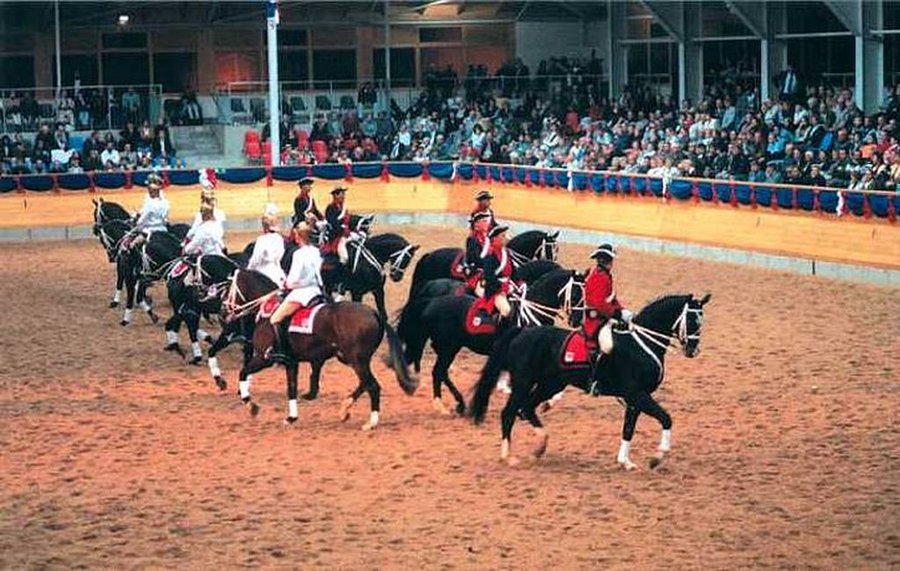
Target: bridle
234, 310
400, 259
546, 250
679, 332
532, 313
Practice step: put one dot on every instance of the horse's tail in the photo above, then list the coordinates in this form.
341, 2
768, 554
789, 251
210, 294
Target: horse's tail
408, 383
490, 374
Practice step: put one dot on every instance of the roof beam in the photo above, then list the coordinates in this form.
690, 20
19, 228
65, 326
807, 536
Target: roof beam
848, 13
669, 15
752, 14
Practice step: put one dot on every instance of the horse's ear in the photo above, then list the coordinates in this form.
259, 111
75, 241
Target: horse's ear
554, 235
94, 200
705, 299
415, 248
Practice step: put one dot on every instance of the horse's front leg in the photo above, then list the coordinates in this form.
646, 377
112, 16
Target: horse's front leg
144, 303
192, 319
632, 412
292, 370
221, 342
648, 405
120, 283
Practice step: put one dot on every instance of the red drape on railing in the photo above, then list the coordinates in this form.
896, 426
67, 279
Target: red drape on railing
348, 172
753, 197
129, 180
269, 179
488, 176
695, 192
426, 176
385, 174
55, 178
867, 208
92, 188
891, 212
732, 198
817, 205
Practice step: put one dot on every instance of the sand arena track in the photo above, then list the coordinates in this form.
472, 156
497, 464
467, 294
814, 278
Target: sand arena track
116, 454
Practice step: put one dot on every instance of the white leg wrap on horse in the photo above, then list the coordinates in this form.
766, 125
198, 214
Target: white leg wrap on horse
171, 337
665, 441
203, 334
214, 369
292, 408
127, 316
503, 382
244, 387
117, 296
373, 418
624, 448
146, 306
195, 348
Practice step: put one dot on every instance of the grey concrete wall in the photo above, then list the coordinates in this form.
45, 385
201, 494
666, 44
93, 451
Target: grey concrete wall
832, 270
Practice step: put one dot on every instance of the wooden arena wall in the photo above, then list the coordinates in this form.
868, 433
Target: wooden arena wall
805, 235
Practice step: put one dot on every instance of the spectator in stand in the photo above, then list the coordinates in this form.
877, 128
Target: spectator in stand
129, 135
110, 158
162, 146
367, 96
128, 158
131, 105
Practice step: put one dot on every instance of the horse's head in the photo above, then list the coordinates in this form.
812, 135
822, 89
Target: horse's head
364, 223
97, 216
688, 326
400, 261
550, 246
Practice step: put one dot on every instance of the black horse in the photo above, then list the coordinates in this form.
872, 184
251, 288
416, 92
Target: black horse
349, 331
143, 263
365, 271
444, 262
634, 370
111, 224
442, 320
193, 292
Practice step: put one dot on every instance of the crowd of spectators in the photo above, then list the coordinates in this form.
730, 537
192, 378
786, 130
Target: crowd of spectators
77, 109
143, 147
817, 136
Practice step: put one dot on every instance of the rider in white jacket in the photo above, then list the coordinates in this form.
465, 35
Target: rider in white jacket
207, 238
154, 213
269, 248
304, 282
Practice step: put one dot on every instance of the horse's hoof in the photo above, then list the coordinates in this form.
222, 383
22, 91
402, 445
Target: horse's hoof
253, 408
153, 317
171, 347
113, 304
123, 323
210, 339
196, 361
220, 382
628, 465
512, 461
310, 396
290, 421
657, 460
439, 407
344, 412
461, 408
368, 427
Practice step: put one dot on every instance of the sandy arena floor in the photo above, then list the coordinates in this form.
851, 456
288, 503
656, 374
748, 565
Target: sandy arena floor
116, 454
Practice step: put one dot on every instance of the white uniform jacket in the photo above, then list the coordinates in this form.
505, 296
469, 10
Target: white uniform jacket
305, 278
207, 239
154, 215
266, 259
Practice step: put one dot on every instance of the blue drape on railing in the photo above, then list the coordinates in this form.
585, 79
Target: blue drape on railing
184, 178
705, 190
140, 178
806, 199
442, 171
580, 180
109, 180
242, 175
368, 170
742, 193
785, 198
896, 201
38, 183
828, 200
74, 181
854, 202
406, 170
764, 195
288, 173
723, 191
329, 171
681, 189
7, 183
481, 170
879, 205
465, 171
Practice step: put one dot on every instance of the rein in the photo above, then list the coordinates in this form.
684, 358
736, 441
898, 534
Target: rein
236, 310
530, 312
398, 257
679, 333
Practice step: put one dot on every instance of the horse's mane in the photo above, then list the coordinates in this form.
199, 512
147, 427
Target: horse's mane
386, 240
650, 312
112, 208
266, 281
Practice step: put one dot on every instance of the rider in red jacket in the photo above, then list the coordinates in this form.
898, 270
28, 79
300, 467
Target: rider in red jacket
601, 305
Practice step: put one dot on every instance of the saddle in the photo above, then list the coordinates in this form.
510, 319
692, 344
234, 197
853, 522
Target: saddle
576, 352
482, 317
301, 321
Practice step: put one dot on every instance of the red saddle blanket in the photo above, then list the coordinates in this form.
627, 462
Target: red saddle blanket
576, 353
480, 318
303, 318
301, 321
178, 269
